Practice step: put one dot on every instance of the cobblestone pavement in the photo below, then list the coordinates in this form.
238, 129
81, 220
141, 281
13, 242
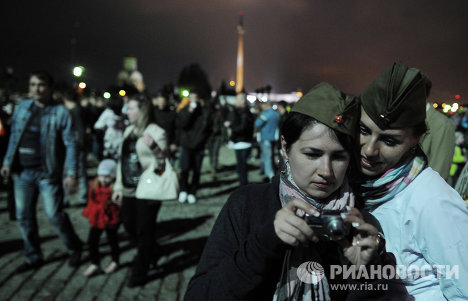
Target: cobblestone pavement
182, 231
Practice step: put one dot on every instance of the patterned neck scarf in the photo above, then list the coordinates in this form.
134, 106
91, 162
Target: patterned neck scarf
290, 287
381, 190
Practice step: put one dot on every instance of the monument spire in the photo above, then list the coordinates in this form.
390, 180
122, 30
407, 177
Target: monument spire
240, 55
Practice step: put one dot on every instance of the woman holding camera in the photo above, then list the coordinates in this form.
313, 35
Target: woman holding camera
261, 236
424, 220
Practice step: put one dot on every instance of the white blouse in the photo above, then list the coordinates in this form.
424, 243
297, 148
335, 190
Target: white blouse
426, 228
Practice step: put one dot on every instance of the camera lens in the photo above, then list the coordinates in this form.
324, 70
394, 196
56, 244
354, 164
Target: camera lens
336, 229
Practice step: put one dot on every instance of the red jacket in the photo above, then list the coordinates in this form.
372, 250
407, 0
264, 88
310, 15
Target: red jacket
100, 211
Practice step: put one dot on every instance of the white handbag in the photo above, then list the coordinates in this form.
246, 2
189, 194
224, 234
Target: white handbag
155, 186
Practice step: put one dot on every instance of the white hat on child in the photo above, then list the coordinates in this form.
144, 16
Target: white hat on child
107, 167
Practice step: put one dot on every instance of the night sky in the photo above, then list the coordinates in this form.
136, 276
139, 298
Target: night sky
289, 44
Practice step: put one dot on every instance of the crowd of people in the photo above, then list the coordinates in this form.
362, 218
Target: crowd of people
383, 162
48, 137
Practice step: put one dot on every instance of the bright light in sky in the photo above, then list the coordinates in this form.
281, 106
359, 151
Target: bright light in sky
78, 71
107, 95
185, 93
82, 85
122, 93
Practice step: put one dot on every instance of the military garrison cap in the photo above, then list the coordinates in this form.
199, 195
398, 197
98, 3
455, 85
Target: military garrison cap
397, 98
330, 106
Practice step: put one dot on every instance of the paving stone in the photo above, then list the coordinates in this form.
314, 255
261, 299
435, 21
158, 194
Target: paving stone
57, 282
36, 284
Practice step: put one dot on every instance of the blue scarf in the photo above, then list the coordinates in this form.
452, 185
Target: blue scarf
378, 191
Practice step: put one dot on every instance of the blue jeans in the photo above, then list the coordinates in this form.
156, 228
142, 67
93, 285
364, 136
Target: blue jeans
27, 185
267, 158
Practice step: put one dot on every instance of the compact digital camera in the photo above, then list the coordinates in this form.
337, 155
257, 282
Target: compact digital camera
329, 225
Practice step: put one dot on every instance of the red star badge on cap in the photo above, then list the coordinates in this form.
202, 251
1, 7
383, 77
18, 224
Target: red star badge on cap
339, 119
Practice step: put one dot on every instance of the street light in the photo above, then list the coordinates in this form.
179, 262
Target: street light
78, 71
82, 85
107, 95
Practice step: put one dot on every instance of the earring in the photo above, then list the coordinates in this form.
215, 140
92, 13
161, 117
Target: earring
284, 166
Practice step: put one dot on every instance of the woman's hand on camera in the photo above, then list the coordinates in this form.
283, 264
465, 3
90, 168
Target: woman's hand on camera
117, 197
365, 242
290, 225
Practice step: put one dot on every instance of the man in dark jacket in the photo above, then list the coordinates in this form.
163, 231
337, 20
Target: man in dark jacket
71, 102
194, 124
241, 125
166, 118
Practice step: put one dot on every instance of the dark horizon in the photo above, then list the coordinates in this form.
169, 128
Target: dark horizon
288, 45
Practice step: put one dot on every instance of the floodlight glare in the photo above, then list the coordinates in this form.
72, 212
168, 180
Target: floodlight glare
185, 93
251, 98
78, 71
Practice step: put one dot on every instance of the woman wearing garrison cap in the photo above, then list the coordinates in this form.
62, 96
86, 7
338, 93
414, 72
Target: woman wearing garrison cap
424, 220
262, 248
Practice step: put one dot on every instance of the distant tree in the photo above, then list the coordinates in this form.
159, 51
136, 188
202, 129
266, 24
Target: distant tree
194, 79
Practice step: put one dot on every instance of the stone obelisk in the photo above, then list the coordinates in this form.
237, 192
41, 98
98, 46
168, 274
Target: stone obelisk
240, 55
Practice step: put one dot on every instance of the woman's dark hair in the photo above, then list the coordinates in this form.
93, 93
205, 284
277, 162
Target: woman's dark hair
296, 123
419, 130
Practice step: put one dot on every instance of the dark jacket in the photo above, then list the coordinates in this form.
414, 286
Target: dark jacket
243, 257
166, 119
78, 126
242, 125
194, 127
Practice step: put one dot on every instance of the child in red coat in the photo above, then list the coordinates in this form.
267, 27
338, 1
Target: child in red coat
103, 215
